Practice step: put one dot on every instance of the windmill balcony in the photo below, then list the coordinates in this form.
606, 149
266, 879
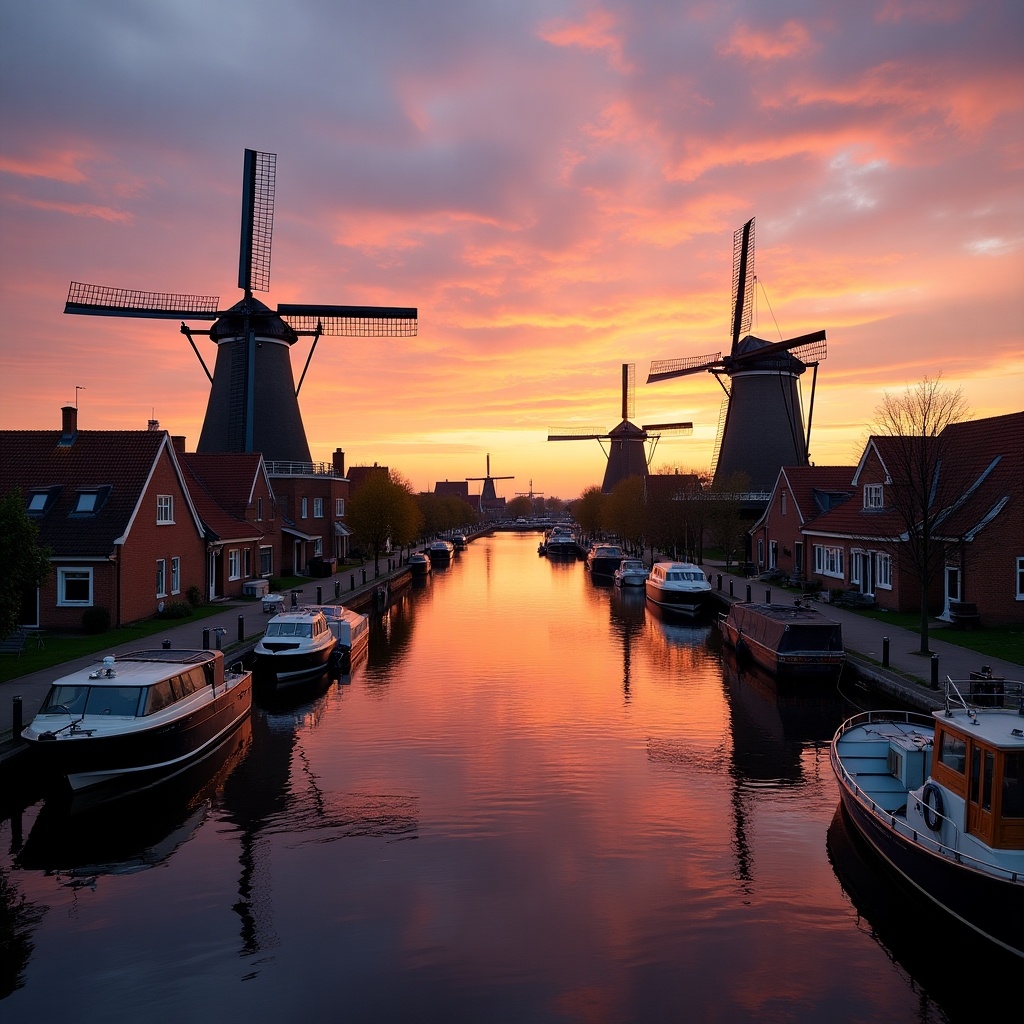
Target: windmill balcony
301, 469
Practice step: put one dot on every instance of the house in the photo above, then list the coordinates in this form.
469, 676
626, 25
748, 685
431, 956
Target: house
115, 510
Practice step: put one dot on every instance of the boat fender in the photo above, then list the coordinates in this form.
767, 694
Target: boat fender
931, 800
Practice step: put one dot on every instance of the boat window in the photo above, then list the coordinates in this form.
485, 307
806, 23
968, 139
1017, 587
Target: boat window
982, 767
953, 752
289, 629
1013, 785
189, 682
113, 700
62, 700
161, 695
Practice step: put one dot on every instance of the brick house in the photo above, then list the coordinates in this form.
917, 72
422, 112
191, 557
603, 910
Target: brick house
115, 510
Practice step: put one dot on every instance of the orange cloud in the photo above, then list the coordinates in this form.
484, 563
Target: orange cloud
595, 32
788, 41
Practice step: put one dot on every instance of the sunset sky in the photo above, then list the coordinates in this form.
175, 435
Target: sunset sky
555, 185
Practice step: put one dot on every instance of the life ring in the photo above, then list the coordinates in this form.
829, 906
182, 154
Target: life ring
931, 805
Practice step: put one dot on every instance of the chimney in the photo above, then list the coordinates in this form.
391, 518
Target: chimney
69, 420
153, 425
178, 441
339, 462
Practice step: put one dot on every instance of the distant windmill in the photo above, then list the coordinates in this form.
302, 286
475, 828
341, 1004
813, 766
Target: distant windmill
253, 402
488, 496
761, 428
626, 453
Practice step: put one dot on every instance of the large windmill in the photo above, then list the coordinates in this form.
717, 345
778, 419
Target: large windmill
761, 428
626, 452
253, 402
488, 496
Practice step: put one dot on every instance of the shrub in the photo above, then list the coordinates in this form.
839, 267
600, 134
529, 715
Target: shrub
96, 620
176, 610
195, 596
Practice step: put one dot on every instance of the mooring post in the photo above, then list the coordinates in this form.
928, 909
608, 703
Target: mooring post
352, 581
935, 671
337, 589
748, 593
885, 652
364, 575
241, 628
719, 582
17, 716
730, 589
319, 595
767, 595
206, 639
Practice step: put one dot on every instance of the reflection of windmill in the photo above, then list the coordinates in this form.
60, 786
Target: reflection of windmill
626, 453
253, 404
488, 496
762, 428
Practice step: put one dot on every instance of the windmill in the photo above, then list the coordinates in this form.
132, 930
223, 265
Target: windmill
761, 427
488, 496
253, 403
626, 452
532, 495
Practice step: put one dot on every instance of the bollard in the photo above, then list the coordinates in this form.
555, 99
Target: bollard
166, 645
206, 639
719, 582
352, 582
241, 628
767, 595
319, 595
885, 652
748, 593
730, 589
17, 713
364, 575
935, 671
337, 589
376, 571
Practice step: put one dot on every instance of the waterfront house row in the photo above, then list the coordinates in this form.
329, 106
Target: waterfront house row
841, 524
134, 522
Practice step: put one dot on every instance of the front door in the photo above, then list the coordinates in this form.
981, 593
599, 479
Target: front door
867, 579
952, 589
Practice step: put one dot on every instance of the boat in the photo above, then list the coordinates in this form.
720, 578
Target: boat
678, 586
604, 559
460, 541
147, 713
792, 641
352, 631
419, 563
441, 553
560, 543
940, 799
631, 573
297, 647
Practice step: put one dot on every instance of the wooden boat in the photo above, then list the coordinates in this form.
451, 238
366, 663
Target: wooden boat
296, 648
940, 799
678, 586
790, 641
631, 573
604, 559
145, 713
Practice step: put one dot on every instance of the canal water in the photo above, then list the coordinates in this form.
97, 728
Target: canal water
535, 800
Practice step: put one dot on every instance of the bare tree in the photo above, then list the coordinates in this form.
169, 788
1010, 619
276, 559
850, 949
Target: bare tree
925, 477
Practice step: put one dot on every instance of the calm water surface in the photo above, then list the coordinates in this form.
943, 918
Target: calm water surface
534, 801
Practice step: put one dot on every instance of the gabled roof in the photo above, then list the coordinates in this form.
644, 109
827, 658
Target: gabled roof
115, 464
221, 485
815, 490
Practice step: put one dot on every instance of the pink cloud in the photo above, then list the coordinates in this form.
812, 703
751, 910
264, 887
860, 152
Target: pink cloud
790, 40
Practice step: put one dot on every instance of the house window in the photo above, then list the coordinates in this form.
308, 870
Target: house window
266, 561
883, 571
305, 510
872, 495
246, 562
773, 554
782, 501
855, 565
176, 575
86, 502
318, 508
37, 503
318, 547
1020, 579
760, 551
74, 587
339, 507
165, 508
828, 561
234, 565
161, 577
259, 510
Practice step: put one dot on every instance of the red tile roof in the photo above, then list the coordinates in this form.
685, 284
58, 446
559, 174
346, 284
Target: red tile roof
220, 484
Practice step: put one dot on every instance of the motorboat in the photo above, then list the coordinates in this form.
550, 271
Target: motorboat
141, 714
297, 647
940, 799
560, 543
441, 552
604, 559
631, 573
678, 586
352, 631
419, 563
460, 541
792, 641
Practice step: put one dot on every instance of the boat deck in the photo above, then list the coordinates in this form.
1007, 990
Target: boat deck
867, 764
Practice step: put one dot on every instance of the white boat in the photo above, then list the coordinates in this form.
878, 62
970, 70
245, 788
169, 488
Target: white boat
419, 563
441, 553
296, 648
678, 586
144, 713
560, 543
940, 799
631, 573
352, 631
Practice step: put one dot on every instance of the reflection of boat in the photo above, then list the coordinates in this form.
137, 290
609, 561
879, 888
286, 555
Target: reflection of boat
297, 647
631, 573
940, 799
419, 563
441, 553
604, 559
790, 641
679, 586
148, 712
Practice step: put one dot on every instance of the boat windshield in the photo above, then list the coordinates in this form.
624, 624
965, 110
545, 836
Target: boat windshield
74, 700
289, 629
678, 575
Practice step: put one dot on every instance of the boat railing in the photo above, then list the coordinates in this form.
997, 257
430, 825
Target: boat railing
983, 690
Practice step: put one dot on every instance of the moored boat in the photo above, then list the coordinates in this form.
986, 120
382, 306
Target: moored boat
441, 552
419, 563
678, 586
631, 573
144, 713
460, 541
940, 799
560, 543
352, 631
296, 648
604, 559
790, 641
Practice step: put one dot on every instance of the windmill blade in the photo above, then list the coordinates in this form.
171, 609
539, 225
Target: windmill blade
570, 434
672, 429
258, 179
742, 280
98, 300
628, 390
813, 345
666, 369
351, 321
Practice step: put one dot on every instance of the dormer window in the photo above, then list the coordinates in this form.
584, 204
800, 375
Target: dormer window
872, 495
90, 500
40, 501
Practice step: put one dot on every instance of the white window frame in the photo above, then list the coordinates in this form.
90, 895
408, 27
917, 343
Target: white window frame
259, 510
773, 554
883, 571
339, 508
164, 509
873, 496
246, 562
175, 574
161, 577
760, 551
318, 508
318, 547
266, 560
828, 561
77, 572
855, 554
305, 509
234, 564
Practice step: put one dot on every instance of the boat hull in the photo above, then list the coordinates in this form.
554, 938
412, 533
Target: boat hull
293, 668
808, 665
688, 602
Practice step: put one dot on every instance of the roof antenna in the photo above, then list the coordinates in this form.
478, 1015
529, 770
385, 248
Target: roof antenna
78, 387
